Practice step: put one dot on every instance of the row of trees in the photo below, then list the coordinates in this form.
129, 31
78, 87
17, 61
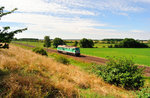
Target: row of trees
129, 43
112, 39
88, 43
56, 42
26, 39
84, 43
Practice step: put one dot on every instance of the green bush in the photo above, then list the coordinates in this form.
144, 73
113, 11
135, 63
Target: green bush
110, 46
143, 93
40, 51
62, 59
122, 72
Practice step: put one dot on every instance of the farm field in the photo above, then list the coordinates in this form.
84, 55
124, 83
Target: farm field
37, 44
98, 45
140, 55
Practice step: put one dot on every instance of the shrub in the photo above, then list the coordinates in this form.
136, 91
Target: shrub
110, 46
62, 59
103, 46
122, 72
40, 51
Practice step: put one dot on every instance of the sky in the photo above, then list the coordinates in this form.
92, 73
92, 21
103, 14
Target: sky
76, 19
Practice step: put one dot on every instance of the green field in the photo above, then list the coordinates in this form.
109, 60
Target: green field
140, 55
98, 45
37, 44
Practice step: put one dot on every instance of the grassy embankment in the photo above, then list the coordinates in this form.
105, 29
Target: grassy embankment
140, 55
24, 73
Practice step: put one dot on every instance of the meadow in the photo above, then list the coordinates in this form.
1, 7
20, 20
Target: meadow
37, 44
140, 55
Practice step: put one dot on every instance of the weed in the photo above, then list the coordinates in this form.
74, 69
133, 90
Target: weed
62, 60
40, 51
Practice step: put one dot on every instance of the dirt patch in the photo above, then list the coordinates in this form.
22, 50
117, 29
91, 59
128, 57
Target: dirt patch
146, 70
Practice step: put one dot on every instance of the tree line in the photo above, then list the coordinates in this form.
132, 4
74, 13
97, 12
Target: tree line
88, 43
26, 39
84, 43
129, 43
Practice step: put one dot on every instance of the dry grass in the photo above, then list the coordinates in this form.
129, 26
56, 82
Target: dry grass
26, 74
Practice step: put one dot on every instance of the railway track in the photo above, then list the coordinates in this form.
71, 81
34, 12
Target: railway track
86, 58
81, 57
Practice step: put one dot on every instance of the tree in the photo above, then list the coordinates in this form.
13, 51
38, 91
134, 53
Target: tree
130, 43
58, 41
47, 41
75, 43
5, 35
86, 43
91, 43
2, 11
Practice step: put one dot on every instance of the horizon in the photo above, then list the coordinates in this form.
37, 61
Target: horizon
78, 38
71, 19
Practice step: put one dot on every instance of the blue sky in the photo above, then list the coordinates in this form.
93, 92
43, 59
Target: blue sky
76, 19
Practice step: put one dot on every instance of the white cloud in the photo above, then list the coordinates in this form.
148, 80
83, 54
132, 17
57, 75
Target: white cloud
44, 23
111, 5
72, 6
52, 15
41, 6
143, 1
137, 31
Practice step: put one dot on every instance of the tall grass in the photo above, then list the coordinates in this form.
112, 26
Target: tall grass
27, 74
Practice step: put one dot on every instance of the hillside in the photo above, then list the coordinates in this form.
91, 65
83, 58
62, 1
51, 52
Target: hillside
26, 74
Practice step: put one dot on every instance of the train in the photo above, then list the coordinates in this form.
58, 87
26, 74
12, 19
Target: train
68, 50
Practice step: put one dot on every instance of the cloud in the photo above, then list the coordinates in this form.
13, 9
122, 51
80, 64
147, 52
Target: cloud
111, 5
143, 1
137, 31
41, 6
48, 23
69, 17
80, 7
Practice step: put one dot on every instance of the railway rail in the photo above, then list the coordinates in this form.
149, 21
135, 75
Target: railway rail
86, 58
